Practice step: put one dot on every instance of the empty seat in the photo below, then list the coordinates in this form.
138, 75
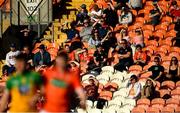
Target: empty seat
172, 102
158, 101
135, 68
143, 101
107, 95
167, 110
175, 94
177, 110
164, 92
152, 110
168, 84
138, 110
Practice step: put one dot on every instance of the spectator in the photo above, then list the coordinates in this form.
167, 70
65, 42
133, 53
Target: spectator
173, 70
110, 15
125, 56
126, 17
139, 38
42, 57
95, 40
26, 38
123, 35
140, 56
27, 52
86, 32
148, 90
82, 15
157, 70
96, 13
67, 48
84, 56
100, 56
71, 32
10, 58
135, 4
92, 89
174, 10
155, 14
103, 29
134, 88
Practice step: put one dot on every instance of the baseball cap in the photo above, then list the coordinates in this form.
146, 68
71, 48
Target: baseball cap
83, 6
13, 45
42, 46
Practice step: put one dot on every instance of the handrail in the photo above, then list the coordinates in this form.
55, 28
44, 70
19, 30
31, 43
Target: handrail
3, 3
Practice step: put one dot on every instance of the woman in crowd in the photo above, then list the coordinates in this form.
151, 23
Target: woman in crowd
126, 17
173, 70
148, 90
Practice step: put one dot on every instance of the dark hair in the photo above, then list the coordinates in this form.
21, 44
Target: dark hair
175, 60
64, 55
173, 3
157, 58
138, 46
21, 57
125, 41
134, 77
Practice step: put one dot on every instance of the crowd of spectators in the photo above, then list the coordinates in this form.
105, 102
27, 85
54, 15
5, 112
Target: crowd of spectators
109, 35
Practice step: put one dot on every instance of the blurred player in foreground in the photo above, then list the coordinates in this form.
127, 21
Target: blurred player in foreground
60, 84
21, 88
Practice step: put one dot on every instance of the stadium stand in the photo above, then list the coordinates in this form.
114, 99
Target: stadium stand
159, 43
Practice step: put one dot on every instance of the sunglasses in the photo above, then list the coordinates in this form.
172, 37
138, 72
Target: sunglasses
156, 61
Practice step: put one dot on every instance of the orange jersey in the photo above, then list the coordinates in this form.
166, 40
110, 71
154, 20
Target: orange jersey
59, 88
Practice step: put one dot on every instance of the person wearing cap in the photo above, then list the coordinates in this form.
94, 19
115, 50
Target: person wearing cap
10, 58
42, 57
82, 15
134, 87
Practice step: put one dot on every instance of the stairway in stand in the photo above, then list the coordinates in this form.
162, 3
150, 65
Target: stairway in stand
54, 32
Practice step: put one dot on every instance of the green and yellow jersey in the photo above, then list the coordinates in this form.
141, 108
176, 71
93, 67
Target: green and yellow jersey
22, 88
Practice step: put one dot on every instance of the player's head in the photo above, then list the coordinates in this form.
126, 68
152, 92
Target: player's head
62, 60
21, 62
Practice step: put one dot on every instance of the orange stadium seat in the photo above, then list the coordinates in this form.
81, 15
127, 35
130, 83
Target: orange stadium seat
177, 110
178, 84
143, 101
166, 19
152, 43
138, 110
167, 110
146, 75
152, 110
107, 95
164, 92
176, 93
135, 68
161, 27
172, 102
168, 84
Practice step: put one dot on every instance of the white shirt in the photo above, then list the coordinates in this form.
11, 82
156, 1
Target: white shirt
10, 57
137, 89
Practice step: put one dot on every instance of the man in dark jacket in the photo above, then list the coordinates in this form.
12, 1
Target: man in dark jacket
42, 57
